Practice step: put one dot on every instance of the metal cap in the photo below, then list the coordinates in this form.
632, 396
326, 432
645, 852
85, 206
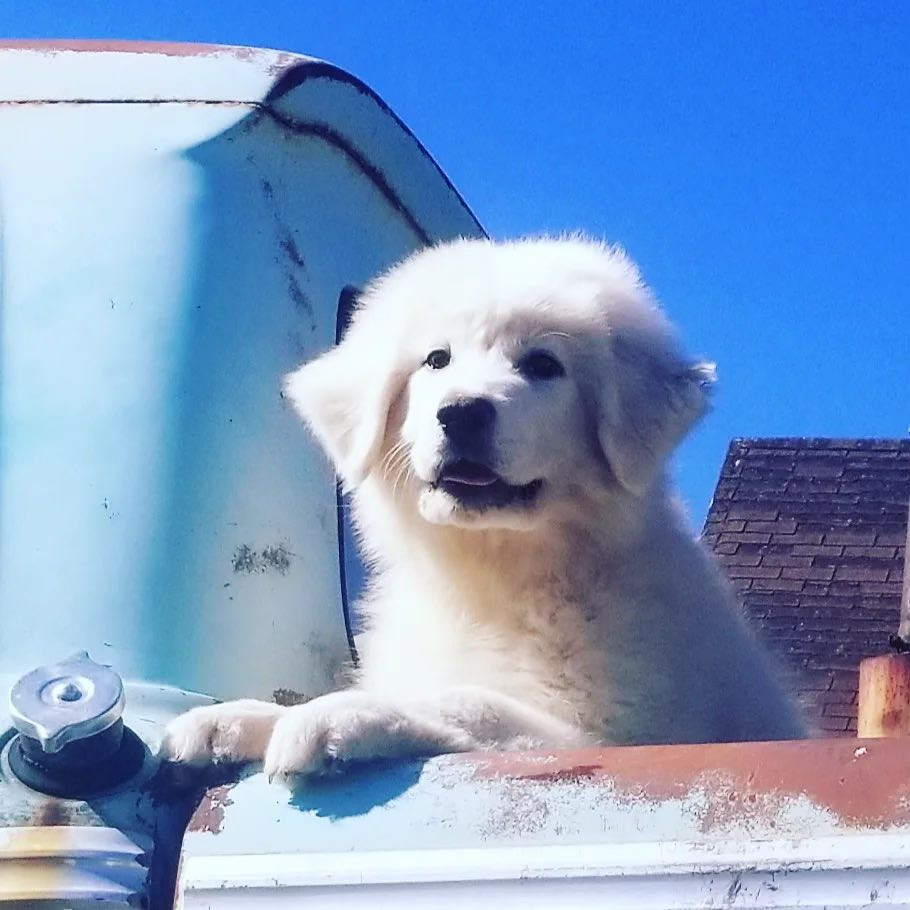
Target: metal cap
60, 703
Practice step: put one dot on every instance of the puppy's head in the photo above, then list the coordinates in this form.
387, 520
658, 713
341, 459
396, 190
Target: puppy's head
487, 385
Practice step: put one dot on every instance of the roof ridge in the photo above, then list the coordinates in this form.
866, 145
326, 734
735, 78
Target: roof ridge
822, 442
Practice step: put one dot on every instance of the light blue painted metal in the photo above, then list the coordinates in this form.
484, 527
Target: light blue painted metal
770, 825
177, 226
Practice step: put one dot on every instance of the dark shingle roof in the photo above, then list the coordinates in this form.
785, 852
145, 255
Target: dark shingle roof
812, 535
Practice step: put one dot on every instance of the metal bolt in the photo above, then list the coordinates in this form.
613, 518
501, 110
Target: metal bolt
67, 690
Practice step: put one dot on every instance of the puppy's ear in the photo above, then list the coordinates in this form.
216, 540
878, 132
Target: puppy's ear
653, 399
344, 396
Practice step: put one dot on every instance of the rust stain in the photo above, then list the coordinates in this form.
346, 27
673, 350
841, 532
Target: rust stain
209, 815
866, 783
884, 687
575, 773
50, 814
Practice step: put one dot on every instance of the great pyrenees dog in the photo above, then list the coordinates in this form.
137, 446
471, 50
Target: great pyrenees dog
502, 414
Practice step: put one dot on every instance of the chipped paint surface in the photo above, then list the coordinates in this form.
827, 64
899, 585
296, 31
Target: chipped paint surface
756, 824
149, 70
158, 48
209, 815
864, 786
192, 213
118, 846
696, 793
276, 558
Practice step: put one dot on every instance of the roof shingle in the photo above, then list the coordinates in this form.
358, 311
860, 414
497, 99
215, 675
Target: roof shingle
812, 534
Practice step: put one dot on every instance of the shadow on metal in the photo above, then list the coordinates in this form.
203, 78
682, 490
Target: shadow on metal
356, 792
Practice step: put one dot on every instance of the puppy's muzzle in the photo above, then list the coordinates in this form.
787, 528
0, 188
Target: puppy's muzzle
468, 424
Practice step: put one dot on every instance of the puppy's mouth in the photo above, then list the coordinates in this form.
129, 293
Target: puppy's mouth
475, 486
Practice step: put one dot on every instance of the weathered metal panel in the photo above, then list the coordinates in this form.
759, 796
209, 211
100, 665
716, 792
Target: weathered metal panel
70, 863
819, 824
178, 224
118, 847
177, 227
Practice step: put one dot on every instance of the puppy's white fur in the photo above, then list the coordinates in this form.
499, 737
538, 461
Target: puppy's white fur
580, 611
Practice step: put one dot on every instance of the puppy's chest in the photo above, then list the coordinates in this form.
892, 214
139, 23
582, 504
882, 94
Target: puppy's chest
556, 643
539, 646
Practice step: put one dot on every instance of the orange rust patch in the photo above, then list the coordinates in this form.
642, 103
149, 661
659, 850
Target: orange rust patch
209, 815
866, 783
884, 695
51, 813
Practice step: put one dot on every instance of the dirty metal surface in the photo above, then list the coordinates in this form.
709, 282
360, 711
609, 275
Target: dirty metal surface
70, 863
119, 847
179, 223
817, 823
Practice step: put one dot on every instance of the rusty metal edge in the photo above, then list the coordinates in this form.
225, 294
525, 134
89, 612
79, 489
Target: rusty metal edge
864, 783
167, 48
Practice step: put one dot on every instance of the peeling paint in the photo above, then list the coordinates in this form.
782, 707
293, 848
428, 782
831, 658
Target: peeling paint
623, 827
740, 783
209, 815
523, 811
247, 561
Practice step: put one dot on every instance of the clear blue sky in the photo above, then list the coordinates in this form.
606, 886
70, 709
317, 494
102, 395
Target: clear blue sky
753, 157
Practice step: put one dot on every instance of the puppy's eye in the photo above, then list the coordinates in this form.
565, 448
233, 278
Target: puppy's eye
541, 365
438, 359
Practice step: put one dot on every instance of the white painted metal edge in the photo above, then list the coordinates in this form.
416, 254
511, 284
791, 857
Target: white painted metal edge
79, 72
867, 851
819, 889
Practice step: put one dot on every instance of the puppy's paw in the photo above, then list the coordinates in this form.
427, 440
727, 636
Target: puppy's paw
314, 738
236, 731
323, 735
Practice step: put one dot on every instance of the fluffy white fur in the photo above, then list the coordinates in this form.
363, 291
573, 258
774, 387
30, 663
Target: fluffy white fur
549, 593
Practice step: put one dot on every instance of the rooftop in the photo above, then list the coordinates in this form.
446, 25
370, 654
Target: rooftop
812, 535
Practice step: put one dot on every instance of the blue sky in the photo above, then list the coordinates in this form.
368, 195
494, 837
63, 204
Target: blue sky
753, 157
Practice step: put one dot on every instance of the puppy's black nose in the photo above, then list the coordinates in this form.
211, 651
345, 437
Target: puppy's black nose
468, 420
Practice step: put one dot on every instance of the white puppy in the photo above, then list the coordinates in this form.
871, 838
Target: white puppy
501, 414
